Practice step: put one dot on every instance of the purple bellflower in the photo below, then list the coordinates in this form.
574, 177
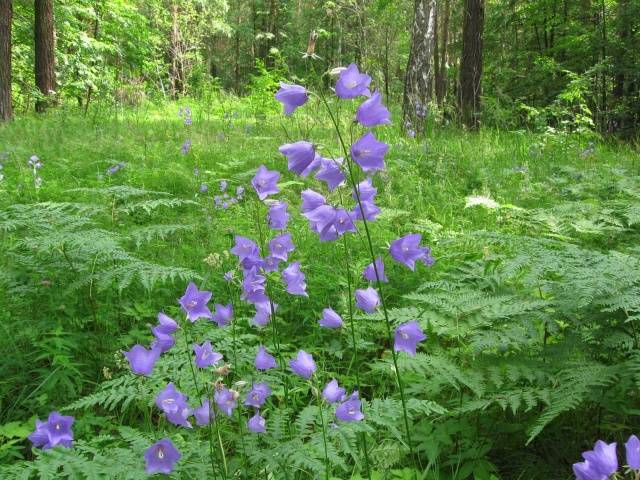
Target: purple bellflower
205, 356
263, 313
372, 112
223, 315
226, 400
264, 360
257, 424
366, 210
265, 182
632, 448
253, 287
367, 300
349, 410
407, 337
343, 222
174, 405
55, 431
303, 365
278, 217
294, 280
202, 413
166, 324
163, 341
142, 360
311, 200
194, 303
330, 173
258, 395
599, 463
365, 190
407, 250
351, 83
369, 153
330, 319
161, 457
291, 97
271, 264
333, 393
369, 272
300, 156
281, 246
245, 248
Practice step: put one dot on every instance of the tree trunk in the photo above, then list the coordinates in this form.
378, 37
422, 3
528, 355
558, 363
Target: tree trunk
440, 84
471, 63
419, 75
6, 111
45, 51
175, 77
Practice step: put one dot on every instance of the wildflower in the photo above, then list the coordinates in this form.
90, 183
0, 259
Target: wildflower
188, 122
194, 303
330, 319
369, 272
228, 276
202, 413
281, 246
632, 448
407, 250
321, 218
271, 264
369, 153
343, 222
311, 200
223, 315
174, 405
226, 400
303, 365
142, 360
365, 190
263, 312
294, 279
277, 218
300, 156
330, 173
367, 300
332, 392
34, 162
55, 431
351, 83
291, 97
167, 325
253, 287
185, 147
349, 410
240, 191
163, 341
265, 182
264, 360
205, 356
407, 337
161, 457
411, 133
258, 395
599, 463
256, 424
421, 110
196, 171
372, 112
245, 248
203, 188
223, 185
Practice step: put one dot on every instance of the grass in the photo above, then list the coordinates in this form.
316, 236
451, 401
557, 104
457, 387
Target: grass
72, 301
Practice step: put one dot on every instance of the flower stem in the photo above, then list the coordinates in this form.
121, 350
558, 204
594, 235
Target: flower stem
324, 431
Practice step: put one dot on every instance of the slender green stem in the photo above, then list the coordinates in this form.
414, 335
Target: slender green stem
394, 355
324, 431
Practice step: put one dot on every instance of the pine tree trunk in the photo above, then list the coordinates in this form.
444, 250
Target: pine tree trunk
419, 75
471, 63
45, 51
6, 111
440, 85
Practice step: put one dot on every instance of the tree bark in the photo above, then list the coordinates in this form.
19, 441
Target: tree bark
440, 85
419, 75
6, 111
471, 63
45, 51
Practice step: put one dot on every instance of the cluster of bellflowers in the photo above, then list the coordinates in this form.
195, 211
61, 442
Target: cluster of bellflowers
113, 169
188, 121
601, 463
35, 164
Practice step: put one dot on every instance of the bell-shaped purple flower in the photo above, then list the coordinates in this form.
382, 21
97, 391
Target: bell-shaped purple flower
330, 319
349, 410
333, 393
277, 218
55, 431
343, 222
303, 365
194, 303
322, 218
369, 153
264, 360
263, 313
142, 360
351, 83
166, 324
407, 337
174, 405
163, 341
367, 300
366, 210
365, 190
369, 272
291, 97
372, 112
271, 264
226, 400
257, 424
265, 182
294, 280
245, 248
281, 246
330, 173
311, 200
299, 155
205, 356
161, 457
253, 287
407, 250
223, 315
258, 395
202, 414
603, 458
632, 448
